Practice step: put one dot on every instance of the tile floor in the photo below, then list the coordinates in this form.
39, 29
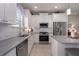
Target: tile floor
41, 49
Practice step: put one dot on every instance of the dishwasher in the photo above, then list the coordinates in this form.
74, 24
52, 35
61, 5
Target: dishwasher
22, 48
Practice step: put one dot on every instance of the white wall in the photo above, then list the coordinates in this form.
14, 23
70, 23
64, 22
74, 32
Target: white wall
74, 19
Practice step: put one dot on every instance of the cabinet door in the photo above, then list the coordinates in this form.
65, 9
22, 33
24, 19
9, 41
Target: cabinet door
10, 12
30, 44
43, 17
1, 11
22, 49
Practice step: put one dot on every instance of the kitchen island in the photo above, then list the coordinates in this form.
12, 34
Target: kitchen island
60, 43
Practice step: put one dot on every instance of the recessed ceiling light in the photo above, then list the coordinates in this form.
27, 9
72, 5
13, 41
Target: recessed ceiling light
56, 7
35, 7
68, 11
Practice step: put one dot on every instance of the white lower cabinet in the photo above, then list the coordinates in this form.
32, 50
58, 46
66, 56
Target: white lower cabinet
36, 38
30, 44
11, 53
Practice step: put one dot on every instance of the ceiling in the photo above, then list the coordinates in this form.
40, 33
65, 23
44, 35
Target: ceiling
50, 7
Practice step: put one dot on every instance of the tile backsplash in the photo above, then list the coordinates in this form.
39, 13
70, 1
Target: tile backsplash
8, 32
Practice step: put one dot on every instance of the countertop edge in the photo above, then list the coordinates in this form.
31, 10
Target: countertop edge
67, 40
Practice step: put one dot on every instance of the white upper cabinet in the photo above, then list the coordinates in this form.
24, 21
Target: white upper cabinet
1, 11
43, 17
60, 17
10, 12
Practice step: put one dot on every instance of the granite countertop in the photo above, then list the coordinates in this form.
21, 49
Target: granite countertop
9, 44
65, 39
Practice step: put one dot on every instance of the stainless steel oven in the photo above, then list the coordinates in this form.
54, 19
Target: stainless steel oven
43, 25
44, 36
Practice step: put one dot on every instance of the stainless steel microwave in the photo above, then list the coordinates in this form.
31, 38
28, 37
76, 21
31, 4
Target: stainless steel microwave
43, 25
